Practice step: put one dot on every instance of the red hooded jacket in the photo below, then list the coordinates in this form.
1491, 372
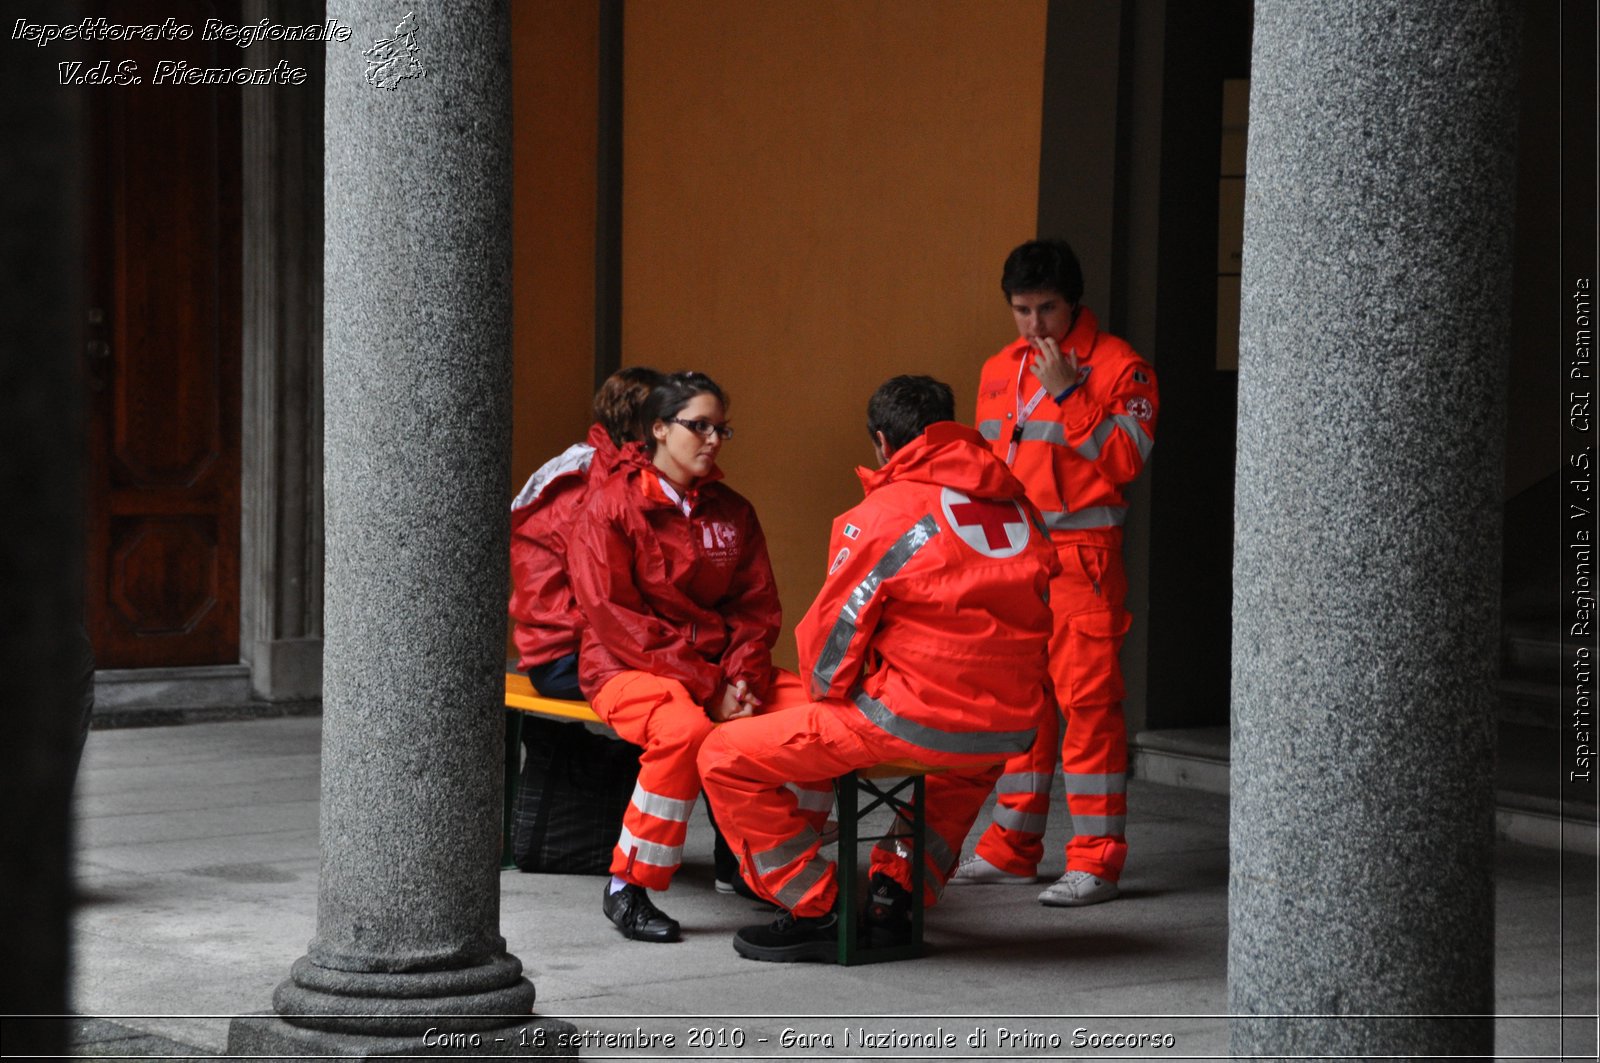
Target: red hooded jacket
547, 621
687, 597
934, 617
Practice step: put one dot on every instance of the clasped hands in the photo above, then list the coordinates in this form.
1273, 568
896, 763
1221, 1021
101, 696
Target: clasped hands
737, 702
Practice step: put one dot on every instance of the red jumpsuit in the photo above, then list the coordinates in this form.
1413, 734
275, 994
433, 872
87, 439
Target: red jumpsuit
928, 641
680, 600
546, 620
1075, 458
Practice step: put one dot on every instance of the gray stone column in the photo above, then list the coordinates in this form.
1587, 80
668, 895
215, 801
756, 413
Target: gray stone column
281, 465
416, 449
43, 646
1366, 568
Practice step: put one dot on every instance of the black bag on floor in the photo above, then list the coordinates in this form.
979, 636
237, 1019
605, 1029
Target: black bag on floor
575, 787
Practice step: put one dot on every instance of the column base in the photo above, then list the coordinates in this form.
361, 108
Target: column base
268, 1037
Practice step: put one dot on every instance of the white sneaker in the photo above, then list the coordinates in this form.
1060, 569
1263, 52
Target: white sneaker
1077, 888
976, 871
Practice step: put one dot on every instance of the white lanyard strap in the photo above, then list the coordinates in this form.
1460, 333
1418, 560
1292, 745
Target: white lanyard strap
1024, 410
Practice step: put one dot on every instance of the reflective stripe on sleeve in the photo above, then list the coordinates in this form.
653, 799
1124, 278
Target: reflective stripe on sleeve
1025, 822
1099, 826
844, 628
668, 856
1115, 782
989, 430
1090, 448
940, 741
661, 807
1093, 517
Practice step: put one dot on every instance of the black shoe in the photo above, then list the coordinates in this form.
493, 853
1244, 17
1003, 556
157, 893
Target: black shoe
789, 938
630, 909
886, 919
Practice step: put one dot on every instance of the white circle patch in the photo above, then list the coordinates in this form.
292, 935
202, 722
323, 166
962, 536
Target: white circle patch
1139, 408
991, 527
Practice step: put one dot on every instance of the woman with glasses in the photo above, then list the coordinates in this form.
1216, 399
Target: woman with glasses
670, 568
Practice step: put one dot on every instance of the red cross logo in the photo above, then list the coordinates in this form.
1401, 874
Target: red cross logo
994, 529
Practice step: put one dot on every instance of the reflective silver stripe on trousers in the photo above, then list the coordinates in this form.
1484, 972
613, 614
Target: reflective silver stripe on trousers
1099, 826
1090, 448
811, 800
795, 889
1093, 517
937, 740
989, 430
650, 852
1026, 822
844, 628
661, 807
1024, 782
1115, 782
784, 853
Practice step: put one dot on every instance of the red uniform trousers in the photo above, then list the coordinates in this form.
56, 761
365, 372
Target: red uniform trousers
746, 763
1086, 601
669, 726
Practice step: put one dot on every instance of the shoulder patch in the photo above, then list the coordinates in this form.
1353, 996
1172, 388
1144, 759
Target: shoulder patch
1141, 377
838, 559
1139, 408
852, 532
991, 527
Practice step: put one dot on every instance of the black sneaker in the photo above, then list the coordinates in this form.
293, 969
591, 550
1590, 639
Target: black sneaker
789, 938
886, 919
630, 909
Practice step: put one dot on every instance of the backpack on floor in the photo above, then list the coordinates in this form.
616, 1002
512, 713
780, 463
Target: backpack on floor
575, 786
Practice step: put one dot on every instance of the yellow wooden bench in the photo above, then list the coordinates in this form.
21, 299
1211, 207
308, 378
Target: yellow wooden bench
848, 791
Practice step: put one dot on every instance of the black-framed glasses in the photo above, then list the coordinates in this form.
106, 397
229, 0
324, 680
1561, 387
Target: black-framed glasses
705, 429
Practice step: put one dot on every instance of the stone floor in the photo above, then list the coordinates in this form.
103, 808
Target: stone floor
197, 871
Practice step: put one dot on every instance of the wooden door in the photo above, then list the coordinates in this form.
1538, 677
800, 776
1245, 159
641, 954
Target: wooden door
163, 361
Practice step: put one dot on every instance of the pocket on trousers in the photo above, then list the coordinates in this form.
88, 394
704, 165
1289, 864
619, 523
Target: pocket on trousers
1092, 672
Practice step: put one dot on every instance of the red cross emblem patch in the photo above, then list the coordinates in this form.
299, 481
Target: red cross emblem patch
994, 529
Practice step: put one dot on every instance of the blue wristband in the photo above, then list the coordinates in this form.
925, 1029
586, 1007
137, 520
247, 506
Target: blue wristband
1063, 396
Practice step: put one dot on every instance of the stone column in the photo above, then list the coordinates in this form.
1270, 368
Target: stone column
281, 462
43, 648
416, 450
1367, 559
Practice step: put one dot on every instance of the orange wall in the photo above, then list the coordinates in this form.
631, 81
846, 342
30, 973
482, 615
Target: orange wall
818, 196
554, 110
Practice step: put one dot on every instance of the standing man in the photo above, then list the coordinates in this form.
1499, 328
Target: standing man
1072, 411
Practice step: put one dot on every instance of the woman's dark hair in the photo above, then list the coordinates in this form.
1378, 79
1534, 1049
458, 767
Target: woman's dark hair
621, 400
1043, 266
904, 406
670, 397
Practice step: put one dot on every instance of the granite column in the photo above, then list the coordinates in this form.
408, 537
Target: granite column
417, 443
1374, 342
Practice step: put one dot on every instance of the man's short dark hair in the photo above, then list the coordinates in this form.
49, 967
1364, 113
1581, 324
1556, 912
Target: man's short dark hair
1043, 266
905, 405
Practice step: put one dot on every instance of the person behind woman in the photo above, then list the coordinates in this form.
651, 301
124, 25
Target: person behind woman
545, 614
670, 567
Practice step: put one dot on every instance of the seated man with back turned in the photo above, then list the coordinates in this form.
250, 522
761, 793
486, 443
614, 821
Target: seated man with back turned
928, 641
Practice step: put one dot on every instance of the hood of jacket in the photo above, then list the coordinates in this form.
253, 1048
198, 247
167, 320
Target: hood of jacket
947, 454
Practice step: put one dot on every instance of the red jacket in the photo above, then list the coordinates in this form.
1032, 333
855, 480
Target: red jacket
1074, 457
690, 598
547, 621
934, 618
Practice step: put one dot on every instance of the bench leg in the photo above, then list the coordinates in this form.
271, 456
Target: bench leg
849, 788
508, 862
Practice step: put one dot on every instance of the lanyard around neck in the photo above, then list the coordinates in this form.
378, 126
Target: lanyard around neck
1024, 410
